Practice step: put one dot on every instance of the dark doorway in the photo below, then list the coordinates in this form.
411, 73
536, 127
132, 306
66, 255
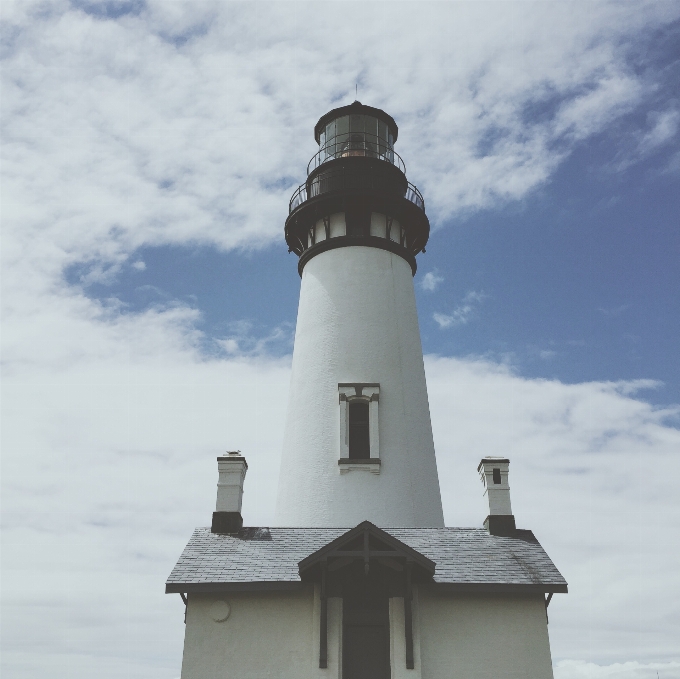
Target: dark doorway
359, 438
366, 626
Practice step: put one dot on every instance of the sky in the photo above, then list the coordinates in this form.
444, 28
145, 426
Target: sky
149, 150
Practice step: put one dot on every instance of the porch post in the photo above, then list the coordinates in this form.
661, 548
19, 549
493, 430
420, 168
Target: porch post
408, 618
323, 620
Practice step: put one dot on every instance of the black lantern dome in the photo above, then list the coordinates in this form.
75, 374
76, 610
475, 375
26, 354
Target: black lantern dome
363, 119
356, 172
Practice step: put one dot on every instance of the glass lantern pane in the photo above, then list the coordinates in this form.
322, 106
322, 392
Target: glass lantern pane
341, 133
371, 126
330, 135
371, 136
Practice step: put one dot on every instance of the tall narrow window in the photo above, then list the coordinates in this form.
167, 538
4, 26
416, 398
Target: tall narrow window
359, 435
359, 427
496, 475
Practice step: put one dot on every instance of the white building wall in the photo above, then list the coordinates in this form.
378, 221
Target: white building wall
267, 635
276, 635
357, 322
398, 639
473, 637
333, 638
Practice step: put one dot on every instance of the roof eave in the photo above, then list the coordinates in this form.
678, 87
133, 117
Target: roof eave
435, 587
258, 586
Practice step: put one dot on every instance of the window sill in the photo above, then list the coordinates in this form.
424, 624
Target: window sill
369, 464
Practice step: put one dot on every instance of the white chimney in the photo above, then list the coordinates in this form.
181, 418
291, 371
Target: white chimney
494, 474
232, 470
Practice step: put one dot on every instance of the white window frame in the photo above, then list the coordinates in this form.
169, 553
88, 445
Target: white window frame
368, 392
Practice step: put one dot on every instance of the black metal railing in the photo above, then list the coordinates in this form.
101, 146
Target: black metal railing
356, 144
335, 181
414, 196
299, 197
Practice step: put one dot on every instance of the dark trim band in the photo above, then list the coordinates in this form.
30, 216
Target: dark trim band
366, 241
271, 586
434, 587
502, 525
226, 522
491, 588
492, 460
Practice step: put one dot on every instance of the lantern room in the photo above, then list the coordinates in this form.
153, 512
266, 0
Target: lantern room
355, 130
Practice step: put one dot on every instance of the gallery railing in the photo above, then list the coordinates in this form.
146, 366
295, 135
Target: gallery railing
338, 180
356, 144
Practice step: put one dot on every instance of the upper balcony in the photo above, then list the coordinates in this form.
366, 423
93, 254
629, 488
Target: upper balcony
337, 180
356, 144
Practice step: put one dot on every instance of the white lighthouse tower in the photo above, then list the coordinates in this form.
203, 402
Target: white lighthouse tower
360, 579
358, 439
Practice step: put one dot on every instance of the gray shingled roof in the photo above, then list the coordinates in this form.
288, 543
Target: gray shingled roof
268, 558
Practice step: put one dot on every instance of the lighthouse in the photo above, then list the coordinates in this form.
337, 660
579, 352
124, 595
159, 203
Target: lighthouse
358, 439
358, 577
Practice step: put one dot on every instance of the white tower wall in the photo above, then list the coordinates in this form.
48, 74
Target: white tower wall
357, 323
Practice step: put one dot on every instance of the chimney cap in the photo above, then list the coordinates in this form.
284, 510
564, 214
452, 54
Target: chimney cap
233, 456
492, 460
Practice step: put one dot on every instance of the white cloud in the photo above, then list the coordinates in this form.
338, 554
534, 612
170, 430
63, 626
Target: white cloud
108, 464
110, 432
665, 127
577, 669
190, 123
662, 127
431, 281
614, 311
446, 321
462, 314
244, 342
584, 477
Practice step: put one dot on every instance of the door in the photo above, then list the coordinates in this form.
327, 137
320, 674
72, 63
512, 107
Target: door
366, 630
366, 651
